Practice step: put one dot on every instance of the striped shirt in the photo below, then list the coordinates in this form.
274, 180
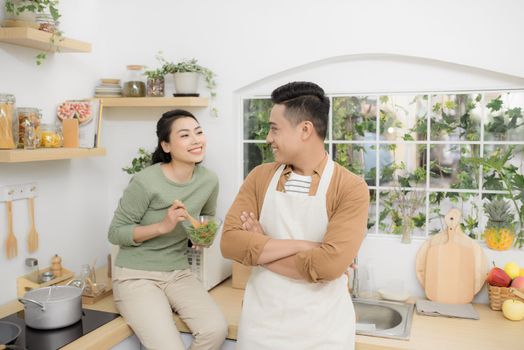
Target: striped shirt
298, 184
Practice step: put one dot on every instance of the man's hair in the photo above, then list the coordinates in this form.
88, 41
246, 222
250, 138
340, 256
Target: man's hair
304, 101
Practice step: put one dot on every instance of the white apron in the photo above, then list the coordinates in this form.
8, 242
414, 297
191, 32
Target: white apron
281, 313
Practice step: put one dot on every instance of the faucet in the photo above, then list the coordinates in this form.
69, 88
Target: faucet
354, 283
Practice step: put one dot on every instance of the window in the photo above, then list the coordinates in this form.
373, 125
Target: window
419, 153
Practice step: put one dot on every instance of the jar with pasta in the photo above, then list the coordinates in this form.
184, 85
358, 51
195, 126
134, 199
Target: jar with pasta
28, 118
8, 122
51, 136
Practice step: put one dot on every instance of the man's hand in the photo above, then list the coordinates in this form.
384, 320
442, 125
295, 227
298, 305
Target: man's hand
250, 223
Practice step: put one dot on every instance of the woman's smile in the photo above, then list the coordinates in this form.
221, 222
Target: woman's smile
196, 150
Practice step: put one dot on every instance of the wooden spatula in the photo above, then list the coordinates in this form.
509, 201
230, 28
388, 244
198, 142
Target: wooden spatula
32, 239
450, 268
193, 221
11, 246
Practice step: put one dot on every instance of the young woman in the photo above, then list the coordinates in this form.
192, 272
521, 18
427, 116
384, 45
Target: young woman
151, 275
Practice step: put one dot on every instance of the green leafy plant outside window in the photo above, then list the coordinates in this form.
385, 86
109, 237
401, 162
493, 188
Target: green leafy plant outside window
452, 154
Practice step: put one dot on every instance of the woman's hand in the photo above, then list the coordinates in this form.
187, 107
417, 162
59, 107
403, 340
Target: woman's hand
176, 213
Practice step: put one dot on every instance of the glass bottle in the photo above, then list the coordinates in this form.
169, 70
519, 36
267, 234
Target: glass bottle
8, 122
134, 85
28, 127
51, 136
85, 272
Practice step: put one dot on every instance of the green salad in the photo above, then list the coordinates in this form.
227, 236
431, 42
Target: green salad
204, 234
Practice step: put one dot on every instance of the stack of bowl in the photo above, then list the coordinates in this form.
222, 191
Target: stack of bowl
108, 88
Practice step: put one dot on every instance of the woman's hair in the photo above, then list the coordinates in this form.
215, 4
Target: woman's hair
163, 131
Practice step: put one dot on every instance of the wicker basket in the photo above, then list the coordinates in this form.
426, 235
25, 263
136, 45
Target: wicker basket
497, 296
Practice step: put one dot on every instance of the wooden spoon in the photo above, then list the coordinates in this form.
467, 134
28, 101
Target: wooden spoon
32, 240
11, 245
193, 221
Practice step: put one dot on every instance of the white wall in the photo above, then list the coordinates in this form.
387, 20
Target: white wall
244, 42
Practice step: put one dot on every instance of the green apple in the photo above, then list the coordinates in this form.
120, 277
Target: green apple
513, 309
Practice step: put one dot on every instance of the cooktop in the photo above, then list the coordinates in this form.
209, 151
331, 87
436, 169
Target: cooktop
52, 339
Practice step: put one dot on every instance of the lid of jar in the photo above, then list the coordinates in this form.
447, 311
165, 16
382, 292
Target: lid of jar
27, 109
7, 98
135, 67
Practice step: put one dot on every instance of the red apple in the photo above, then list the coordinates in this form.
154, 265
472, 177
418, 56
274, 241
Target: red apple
497, 277
518, 283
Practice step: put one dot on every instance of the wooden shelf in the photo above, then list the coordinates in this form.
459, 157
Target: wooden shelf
155, 102
38, 39
21, 155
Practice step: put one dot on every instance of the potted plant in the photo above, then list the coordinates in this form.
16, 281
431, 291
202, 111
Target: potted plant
143, 160
186, 74
39, 14
28, 9
155, 82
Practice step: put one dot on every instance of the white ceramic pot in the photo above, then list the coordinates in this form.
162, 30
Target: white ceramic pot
186, 83
25, 16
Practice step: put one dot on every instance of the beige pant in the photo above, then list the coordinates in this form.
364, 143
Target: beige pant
145, 300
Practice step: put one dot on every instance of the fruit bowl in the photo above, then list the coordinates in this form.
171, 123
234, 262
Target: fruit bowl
205, 233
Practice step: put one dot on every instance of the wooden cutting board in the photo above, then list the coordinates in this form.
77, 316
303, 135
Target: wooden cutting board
481, 261
449, 273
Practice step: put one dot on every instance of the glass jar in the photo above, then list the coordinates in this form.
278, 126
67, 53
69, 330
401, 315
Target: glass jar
8, 122
51, 136
85, 273
28, 127
134, 85
155, 87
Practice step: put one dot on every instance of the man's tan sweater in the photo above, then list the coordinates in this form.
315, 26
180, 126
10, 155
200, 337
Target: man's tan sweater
347, 203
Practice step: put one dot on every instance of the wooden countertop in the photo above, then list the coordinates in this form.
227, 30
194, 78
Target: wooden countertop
112, 333
492, 331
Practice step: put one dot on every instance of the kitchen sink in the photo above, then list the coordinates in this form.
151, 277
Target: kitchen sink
383, 318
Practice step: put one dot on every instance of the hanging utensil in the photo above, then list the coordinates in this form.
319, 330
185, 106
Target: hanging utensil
32, 240
11, 245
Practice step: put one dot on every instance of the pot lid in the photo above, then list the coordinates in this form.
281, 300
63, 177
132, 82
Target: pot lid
53, 293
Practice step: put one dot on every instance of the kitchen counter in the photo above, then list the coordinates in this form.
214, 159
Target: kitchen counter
492, 331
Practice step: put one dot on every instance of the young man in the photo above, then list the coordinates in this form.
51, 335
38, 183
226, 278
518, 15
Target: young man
300, 221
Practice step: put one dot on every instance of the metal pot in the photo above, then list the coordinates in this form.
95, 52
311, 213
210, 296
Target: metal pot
52, 307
